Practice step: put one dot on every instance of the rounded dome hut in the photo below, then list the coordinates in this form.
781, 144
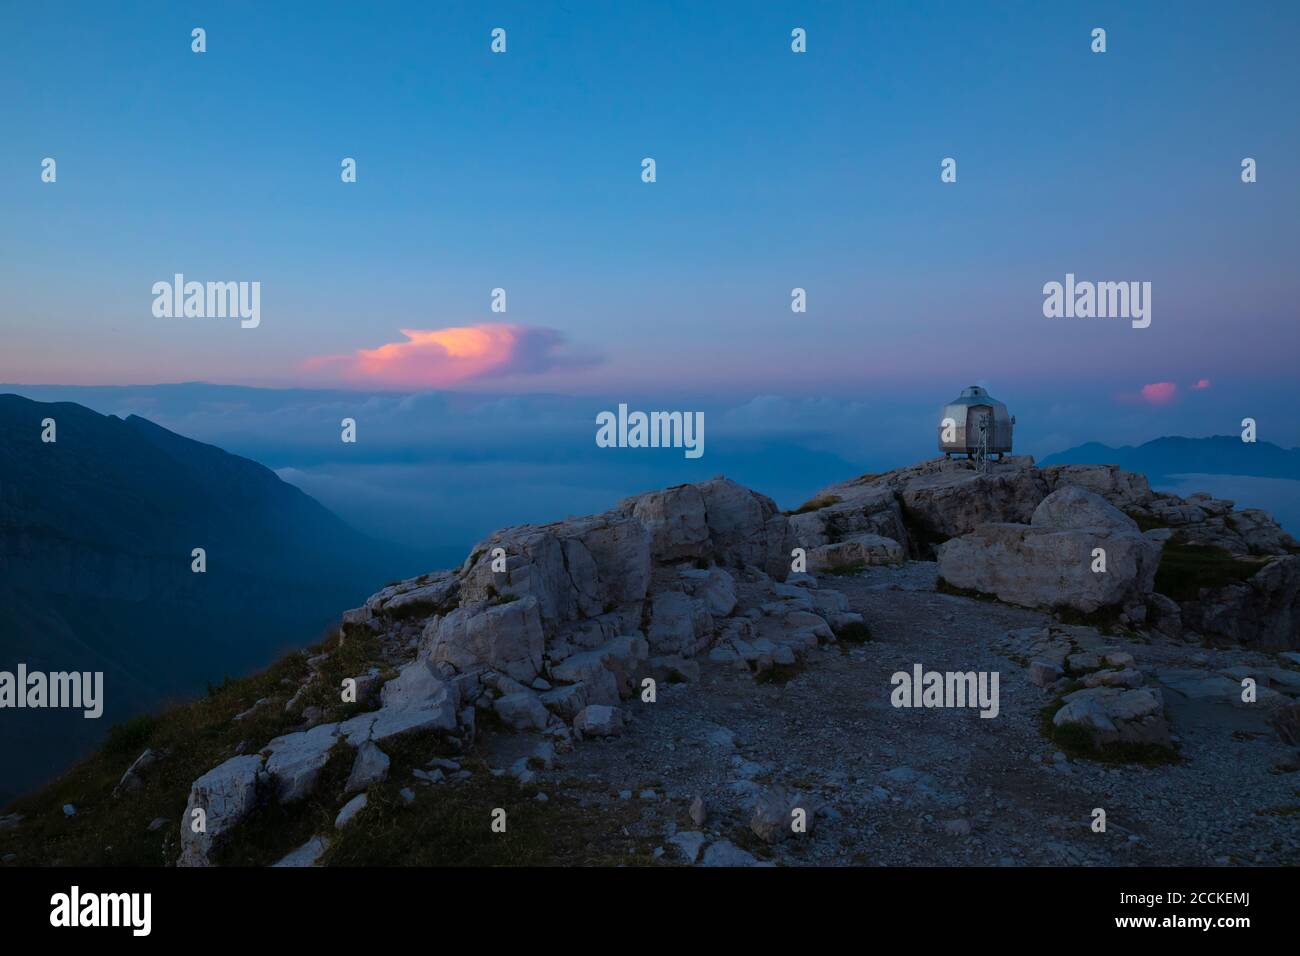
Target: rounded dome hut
975, 424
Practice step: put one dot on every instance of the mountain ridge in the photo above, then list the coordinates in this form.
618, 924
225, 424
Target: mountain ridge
97, 530
1177, 455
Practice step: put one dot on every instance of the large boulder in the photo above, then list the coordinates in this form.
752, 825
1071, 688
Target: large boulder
780, 812
1111, 715
1123, 489
1049, 562
294, 761
738, 522
522, 710
715, 585
598, 720
679, 624
854, 510
226, 794
1263, 611
507, 637
857, 551
954, 502
675, 521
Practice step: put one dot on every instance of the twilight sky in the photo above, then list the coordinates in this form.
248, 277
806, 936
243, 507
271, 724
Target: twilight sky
775, 170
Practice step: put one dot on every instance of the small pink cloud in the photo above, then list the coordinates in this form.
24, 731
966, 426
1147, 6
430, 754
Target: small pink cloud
439, 358
1202, 383
1159, 393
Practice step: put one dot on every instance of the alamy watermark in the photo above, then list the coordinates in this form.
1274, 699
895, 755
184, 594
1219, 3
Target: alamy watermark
76, 690
651, 430
75, 909
922, 688
1100, 300
209, 300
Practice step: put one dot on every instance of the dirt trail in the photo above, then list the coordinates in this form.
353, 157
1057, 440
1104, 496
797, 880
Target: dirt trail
933, 786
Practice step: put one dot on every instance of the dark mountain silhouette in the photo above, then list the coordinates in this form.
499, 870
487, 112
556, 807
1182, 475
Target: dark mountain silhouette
96, 534
1219, 455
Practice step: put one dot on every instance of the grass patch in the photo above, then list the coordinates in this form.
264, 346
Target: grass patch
868, 478
273, 829
815, 504
1146, 522
450, 824
130, 737
195, 737
1186, 569
847, 570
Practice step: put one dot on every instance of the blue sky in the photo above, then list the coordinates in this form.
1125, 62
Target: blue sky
775, 170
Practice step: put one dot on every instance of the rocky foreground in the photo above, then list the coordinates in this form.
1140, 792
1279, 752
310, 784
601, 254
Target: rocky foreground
716, 676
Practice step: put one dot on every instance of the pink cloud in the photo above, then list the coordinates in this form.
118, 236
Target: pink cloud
1202, 383
439, 358
1159, 393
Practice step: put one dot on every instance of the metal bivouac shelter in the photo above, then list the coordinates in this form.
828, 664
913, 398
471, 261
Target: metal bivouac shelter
976, 425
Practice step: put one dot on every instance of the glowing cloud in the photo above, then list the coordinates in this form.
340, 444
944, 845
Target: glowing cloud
1159, 393
439, 358
1202, 383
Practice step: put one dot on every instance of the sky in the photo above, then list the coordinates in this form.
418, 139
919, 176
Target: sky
775, 170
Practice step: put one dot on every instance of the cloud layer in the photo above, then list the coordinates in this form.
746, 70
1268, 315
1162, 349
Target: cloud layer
441, 358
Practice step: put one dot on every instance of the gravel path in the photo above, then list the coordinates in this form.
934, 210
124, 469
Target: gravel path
939, 786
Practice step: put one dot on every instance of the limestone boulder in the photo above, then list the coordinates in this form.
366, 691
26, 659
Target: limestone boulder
226, 794
507, 637
598, 720
679, 624
675, 521
294, 761
1049, 563
1261, 612
859, 550
1112, 715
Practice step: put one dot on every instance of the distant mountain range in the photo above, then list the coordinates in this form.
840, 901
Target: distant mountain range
96, 534
1219, 455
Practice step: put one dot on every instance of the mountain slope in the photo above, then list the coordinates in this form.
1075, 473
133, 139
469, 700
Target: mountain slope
758, 673
96, 534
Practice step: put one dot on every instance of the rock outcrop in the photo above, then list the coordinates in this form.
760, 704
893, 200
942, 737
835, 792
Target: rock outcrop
1077, 551
927, 505
556, 628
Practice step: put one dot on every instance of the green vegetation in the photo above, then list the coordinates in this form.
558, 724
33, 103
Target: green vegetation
448, 823
1146, 522
868, 478
1187, 568
195, 737
815, 504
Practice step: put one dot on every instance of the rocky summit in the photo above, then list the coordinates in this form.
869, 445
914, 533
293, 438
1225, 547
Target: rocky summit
695, 677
